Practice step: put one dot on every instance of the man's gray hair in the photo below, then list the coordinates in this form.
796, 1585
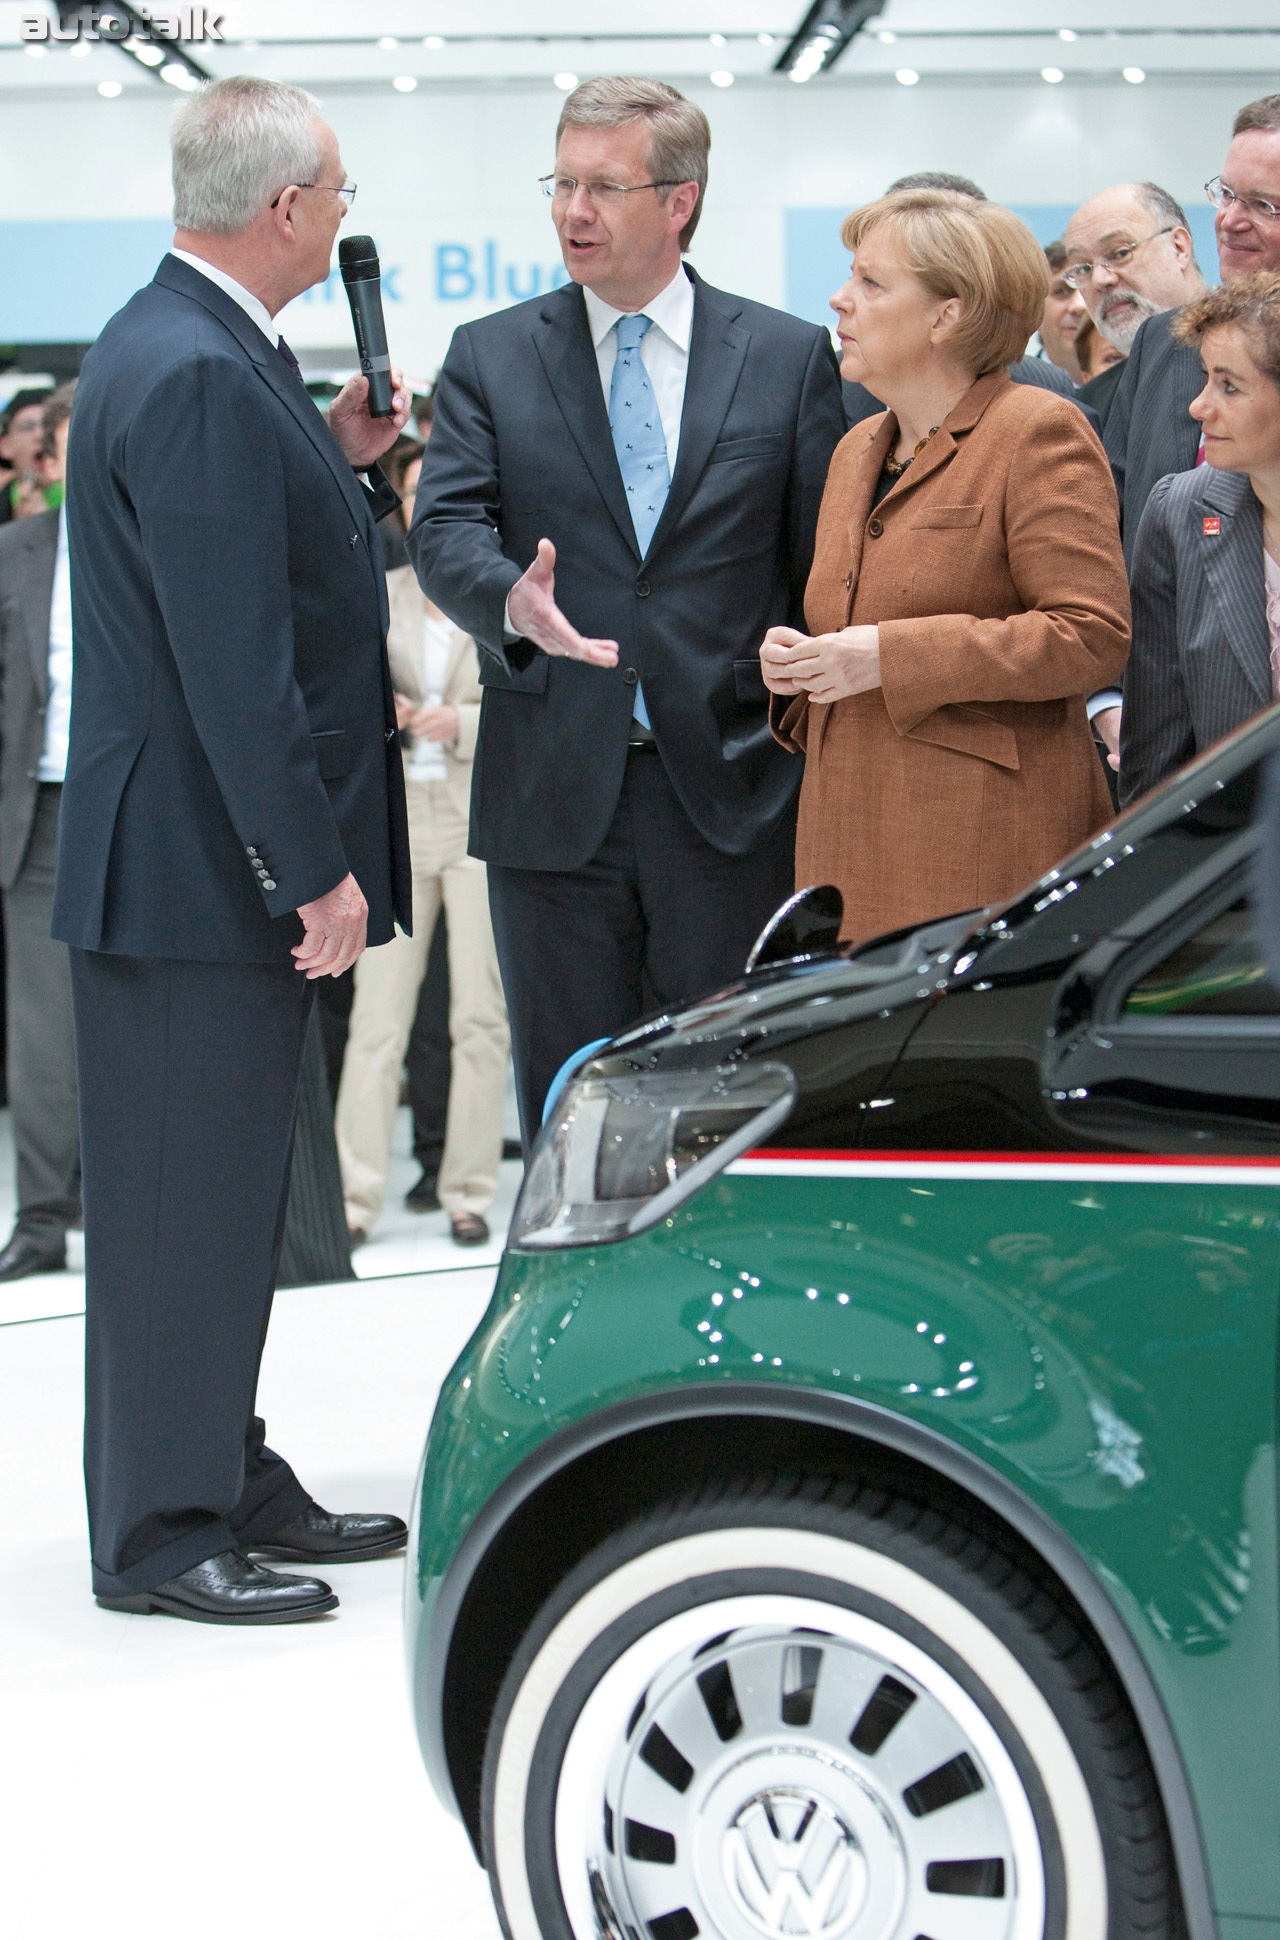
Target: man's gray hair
237, 144
1165, 210
679, 132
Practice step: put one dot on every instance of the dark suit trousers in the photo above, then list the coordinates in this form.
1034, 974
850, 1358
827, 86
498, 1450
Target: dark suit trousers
658, 917
188, 1094
41, 1042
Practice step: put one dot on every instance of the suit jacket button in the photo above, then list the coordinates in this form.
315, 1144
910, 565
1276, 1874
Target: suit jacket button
642, 589
354, 541
630, 676
848, 582
874, 528
267, 883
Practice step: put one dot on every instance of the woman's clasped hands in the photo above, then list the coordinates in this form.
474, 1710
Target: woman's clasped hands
827, 666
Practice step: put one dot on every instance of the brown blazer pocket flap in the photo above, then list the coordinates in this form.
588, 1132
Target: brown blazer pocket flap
941, 517
333, 753
967, 730
789, 720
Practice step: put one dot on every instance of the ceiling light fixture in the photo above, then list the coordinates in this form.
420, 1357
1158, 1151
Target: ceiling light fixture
145, 51
823, 35
179, 76
405, 83
1135, 74
80, 49
566, 81
721, 78
765, 40
1067, 33
434, 42
907, 76
34, 52
388, 41
1053, 75
110, 89
717, 40
886, 37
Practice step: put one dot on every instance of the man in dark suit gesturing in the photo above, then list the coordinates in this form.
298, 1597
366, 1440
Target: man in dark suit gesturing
232, 827
618, 501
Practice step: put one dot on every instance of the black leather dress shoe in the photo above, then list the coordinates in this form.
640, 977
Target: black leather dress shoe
231, 1589
317, 1537
25, 1255
422, 1198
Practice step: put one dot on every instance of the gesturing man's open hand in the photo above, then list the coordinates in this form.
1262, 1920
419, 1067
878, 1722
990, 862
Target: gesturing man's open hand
534, 614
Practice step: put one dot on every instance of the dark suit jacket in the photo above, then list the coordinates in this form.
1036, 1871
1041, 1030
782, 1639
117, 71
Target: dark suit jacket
232, 720
28, 549
1039, 372
1099, 393
521, 450
1201, 658
1148, 432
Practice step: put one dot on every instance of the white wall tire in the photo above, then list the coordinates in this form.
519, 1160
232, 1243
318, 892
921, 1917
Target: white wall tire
693, 1740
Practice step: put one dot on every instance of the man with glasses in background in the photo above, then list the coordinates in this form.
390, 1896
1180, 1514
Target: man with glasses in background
1148, 431
618, 501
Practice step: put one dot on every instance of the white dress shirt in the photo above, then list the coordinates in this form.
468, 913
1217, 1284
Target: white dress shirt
427, 763
664, 352
253, 308
57, 715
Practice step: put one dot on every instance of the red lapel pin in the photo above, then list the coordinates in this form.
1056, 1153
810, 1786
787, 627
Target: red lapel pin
1212, 528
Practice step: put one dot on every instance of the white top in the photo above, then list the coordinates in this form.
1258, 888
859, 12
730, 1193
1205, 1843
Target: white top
664, 349
426, 763
57, 714
253, 308
1271, 570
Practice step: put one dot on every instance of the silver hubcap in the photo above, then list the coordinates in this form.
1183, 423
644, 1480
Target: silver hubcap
777, 1780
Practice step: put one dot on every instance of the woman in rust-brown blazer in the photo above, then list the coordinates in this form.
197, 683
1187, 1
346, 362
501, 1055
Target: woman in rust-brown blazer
968, 589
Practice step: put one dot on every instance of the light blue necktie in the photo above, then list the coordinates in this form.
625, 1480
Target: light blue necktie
640, 442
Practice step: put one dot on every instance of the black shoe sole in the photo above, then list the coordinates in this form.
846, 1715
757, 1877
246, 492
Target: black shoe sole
326, 1558
147, 1604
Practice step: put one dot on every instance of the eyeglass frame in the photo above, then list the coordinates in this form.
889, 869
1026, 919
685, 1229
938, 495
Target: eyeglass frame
615, 188
1112, 258
1257, 207
347, 191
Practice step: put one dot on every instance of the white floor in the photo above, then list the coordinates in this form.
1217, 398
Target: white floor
159, 1776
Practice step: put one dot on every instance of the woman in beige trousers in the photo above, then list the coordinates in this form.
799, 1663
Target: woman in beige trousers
437, 679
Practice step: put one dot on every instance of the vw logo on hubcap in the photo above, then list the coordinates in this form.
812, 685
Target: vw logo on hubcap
793, 1866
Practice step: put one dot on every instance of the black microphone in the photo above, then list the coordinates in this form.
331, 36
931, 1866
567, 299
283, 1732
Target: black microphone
360, 272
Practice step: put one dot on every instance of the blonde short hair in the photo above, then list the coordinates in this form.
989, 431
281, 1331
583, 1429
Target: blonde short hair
975, 251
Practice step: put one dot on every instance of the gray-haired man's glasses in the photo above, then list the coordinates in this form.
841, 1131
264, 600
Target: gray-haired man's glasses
347, 191
1256, 207
1078, 275
563, 188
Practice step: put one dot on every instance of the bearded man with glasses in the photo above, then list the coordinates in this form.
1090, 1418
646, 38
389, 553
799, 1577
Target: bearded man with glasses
1148, 431
618, 500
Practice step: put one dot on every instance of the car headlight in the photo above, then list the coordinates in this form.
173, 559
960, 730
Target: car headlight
616, 1154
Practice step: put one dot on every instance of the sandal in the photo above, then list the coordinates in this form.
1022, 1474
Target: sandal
468, 1229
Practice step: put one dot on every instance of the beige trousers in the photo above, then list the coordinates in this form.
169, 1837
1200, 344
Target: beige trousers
387, 981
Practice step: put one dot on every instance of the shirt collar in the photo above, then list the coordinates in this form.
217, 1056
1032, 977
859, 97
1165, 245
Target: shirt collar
254, 309
670, 311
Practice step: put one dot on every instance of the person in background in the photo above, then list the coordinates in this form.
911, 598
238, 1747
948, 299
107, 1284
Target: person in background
21, 443
437, 680
618, 497
1039, 372
1063, 314
423, 412
1095, 354
967, 589
1149, 431
1206, 565
35, 714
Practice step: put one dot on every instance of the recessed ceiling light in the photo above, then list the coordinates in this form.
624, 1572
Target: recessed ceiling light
1135, 74
1052, 75
143, 51
405, 83
566, 81
721, 78
886, 37
907, 76
434, 42
765, 40
1067, 33
717, 40
178, 76
79, 49
388, 40
34, 52
110, 89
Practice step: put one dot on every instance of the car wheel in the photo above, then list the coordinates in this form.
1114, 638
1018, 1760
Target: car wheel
810, 1708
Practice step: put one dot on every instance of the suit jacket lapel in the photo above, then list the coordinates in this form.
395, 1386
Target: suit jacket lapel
563, 343
717, 351
40, 554
1234, 569
943, 445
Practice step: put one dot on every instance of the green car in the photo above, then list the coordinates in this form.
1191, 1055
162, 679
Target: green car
855, 1515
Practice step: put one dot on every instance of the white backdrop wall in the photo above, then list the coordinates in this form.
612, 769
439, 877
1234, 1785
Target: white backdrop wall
447, 188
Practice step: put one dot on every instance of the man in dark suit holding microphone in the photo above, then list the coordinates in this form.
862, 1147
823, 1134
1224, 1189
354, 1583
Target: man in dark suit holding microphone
232, 828
618, 501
